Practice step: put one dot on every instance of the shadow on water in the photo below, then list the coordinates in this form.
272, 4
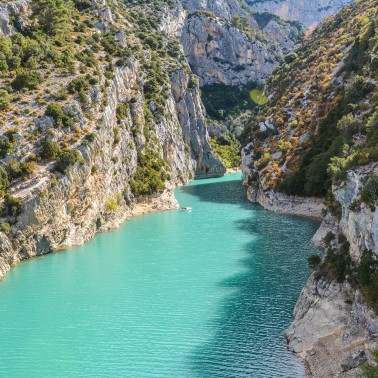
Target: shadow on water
231, 192
249, 325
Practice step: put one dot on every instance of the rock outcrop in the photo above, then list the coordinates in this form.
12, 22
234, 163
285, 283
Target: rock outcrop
225, 44
219, 53
309, 13
12, 14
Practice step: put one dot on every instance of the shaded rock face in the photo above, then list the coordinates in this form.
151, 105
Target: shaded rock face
333, 319
219, 53
72, 209
309, 13
360, 225
221, 8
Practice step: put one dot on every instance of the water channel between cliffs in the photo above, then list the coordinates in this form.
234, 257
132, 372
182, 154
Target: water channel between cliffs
206, 293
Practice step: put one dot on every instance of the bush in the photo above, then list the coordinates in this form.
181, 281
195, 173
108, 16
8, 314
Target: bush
60, 119
5, 227
366, 268
369, 370
49, 149
369, 193
314, 261
122, 111
12, 205
348, 126
150, 174
66, 159
111, 205
5, 147
4, 99
79, 84
27, 79
4, 180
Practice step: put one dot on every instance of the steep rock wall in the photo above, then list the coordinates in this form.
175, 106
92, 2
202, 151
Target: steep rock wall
11, 13
72, 209
309, 13
219, 53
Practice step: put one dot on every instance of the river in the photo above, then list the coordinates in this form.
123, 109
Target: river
206, 293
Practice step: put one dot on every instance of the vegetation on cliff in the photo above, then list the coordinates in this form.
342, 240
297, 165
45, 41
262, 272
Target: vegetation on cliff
55, 75
321, 117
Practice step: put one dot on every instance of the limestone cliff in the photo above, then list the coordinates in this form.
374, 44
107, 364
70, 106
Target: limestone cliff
229, 46
12, 13
309, 13
130, 146
332, 320
316, 138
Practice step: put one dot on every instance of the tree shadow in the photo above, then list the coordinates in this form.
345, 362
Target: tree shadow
250, 321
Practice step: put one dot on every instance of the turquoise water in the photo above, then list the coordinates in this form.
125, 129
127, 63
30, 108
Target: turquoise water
206, 293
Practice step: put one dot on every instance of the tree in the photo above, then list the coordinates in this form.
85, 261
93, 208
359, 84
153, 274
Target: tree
369, 193
67, 158
27, 79
4, 99
49, 149
52, 16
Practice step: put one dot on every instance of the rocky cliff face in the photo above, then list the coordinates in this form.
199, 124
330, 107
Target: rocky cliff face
72, 210
333, 324
12, 13
219, 53
225, 9
57, 210
309, 13
227, 45
292, 149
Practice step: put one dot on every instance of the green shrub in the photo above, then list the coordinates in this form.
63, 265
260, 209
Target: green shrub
150, 174
28, 80
314, 261
49, 149
366, 268
4, 180
66, 159
370, 370
111, 205
60, 118
5, 147
4, 99
122, 111
78, 84
369, 193
5, 227
12, 205
348, 126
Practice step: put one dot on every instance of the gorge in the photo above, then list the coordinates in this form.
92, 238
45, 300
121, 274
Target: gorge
102, 116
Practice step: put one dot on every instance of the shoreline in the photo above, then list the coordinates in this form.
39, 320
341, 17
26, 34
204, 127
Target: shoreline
233, 170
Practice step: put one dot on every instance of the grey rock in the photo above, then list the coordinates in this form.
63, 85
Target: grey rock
309, 13
44, 123
354, 360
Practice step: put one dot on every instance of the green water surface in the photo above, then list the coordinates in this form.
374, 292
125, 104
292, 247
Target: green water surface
206, 293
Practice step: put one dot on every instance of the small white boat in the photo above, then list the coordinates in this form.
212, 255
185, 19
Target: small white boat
186, 208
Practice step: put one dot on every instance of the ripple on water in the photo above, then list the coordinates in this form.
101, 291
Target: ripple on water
176, 294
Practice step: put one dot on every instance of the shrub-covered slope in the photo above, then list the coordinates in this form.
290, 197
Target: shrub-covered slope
321, 116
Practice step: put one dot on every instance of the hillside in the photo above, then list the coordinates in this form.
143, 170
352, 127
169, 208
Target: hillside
312, 150
321, 108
